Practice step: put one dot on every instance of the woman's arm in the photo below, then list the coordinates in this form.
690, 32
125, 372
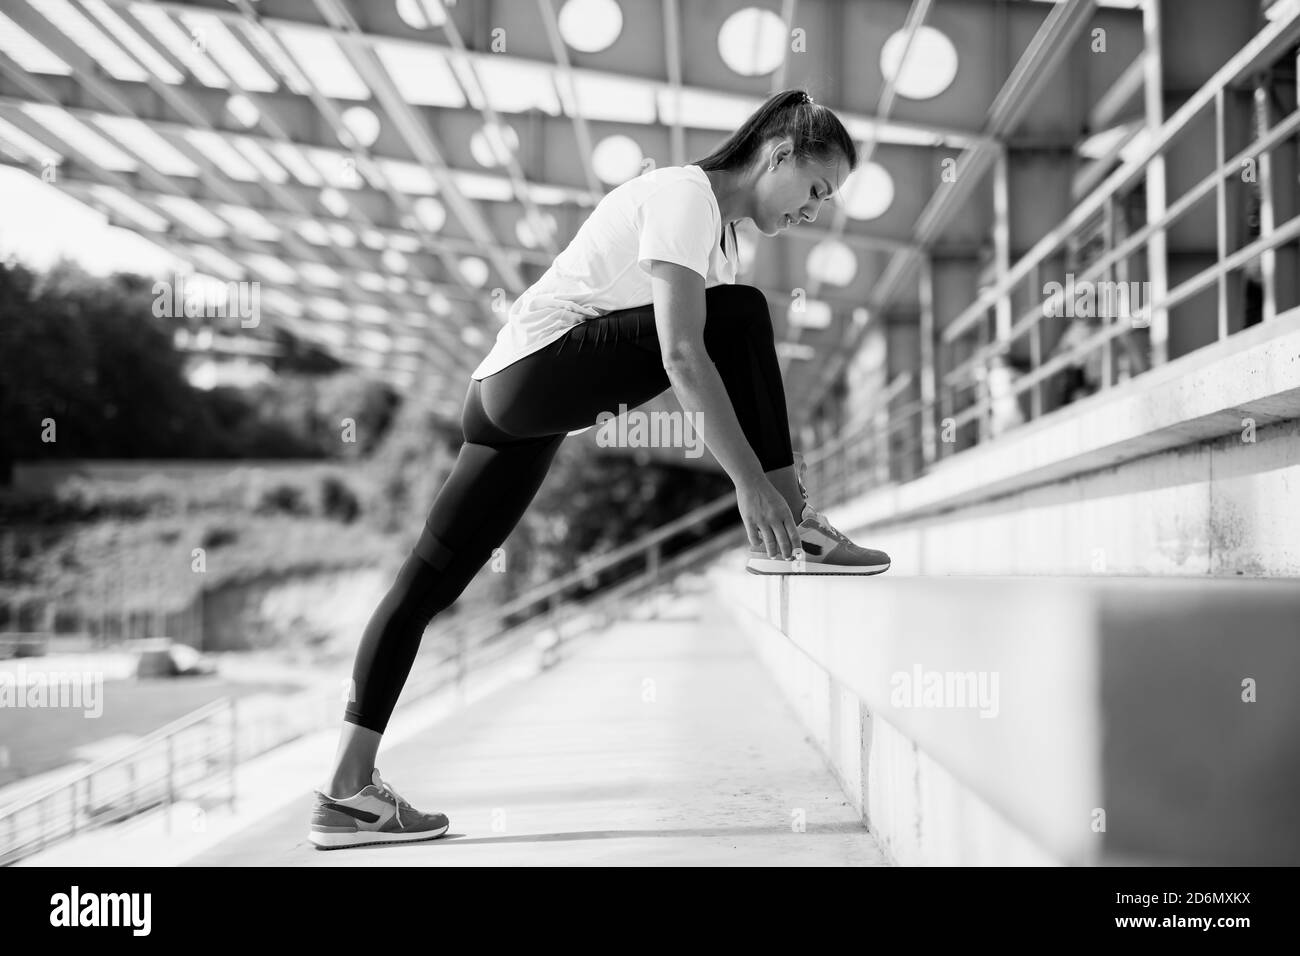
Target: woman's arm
679, 305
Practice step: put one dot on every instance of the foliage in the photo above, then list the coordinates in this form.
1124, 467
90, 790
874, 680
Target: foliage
89, 356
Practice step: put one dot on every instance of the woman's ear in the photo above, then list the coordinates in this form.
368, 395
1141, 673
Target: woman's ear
782, 151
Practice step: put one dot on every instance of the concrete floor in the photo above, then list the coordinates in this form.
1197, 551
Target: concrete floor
660, 742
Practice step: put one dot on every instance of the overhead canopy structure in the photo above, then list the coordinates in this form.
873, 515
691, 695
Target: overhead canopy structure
394, 174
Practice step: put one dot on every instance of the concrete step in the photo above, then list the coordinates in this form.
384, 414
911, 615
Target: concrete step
1221, 507
1046, 720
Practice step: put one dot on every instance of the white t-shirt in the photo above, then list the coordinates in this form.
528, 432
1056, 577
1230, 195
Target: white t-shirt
669, 213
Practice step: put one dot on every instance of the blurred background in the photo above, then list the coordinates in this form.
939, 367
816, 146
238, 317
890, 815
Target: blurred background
251, 250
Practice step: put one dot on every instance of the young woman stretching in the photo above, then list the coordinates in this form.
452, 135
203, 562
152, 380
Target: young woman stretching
643, 299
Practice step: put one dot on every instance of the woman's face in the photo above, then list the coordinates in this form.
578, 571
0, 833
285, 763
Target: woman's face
790, 191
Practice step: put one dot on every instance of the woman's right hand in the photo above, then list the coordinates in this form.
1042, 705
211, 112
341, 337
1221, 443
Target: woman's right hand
768, 520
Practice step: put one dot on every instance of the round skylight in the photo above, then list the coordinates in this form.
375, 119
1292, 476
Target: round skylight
393, 260
341, 235
534, 235
333, 200
362, 123
590, 25
431, 213
439, 304
616, 159
421, 14
475, 271
931, 63
752, 41
833, 262
242, 109
867, 191
494, 144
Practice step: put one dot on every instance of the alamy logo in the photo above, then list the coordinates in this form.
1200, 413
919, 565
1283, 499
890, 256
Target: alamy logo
640, 429
37, 688
191, 298
102, 909
945, 689
1085, 299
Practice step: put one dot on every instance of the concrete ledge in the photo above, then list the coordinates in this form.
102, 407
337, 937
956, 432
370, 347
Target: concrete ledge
918, 812
1254, 374
1221, 507
1117, 731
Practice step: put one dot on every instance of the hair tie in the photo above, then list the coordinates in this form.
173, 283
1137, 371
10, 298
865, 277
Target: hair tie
805, 98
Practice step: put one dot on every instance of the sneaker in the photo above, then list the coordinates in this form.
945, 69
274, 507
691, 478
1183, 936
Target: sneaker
375, 814
823, 549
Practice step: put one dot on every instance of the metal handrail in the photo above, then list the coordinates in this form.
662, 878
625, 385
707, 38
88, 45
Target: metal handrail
161, 734
1265, 44
646, 544
892, 391
152, 772
1283, 234
1272, 41
1130, 244
872, 439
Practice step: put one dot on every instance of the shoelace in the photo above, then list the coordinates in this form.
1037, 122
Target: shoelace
829, 528
398, 800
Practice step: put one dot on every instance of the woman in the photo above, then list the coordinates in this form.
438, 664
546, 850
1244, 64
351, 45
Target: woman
583, 340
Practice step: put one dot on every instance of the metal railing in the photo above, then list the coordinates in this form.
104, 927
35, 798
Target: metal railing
1151, 319
186, 759
898, 441
883, 447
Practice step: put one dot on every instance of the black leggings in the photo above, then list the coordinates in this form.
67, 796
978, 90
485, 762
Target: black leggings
514, 421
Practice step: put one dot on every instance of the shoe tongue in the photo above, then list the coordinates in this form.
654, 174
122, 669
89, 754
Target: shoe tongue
377, 780
819, 519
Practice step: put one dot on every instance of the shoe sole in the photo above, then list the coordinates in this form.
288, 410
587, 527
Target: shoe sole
777, 566
342, 841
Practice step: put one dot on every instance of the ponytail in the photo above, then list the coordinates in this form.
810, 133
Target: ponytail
814, 129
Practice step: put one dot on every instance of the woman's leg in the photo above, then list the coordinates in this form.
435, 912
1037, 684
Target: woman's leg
749, 368
493, 480
514, 421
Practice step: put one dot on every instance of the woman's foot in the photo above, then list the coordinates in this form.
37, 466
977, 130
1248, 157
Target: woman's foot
375, 814
823, 549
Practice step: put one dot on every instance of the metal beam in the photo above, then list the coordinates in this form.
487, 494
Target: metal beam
1040, 60
416, 135
565, 75
787, 18
905, 131
62, 92
673, 63
1154, 110
916, 15
91, 78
